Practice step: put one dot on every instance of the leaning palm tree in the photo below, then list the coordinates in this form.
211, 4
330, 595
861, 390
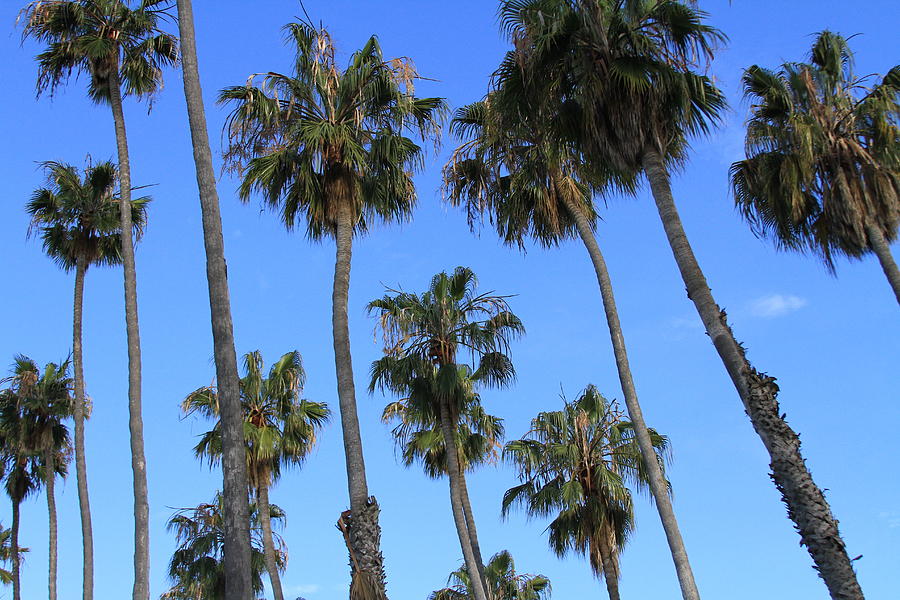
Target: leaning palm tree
629, 72
123, 51
331, 148
425, 336
576, 464
78, 220
501, 578
822, 172
197, 568
234, 468
280, 430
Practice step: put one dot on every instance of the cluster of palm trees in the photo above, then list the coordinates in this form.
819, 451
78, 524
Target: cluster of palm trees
594, 97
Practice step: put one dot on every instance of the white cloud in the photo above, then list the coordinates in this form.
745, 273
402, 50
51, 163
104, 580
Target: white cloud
776, 305
306, 588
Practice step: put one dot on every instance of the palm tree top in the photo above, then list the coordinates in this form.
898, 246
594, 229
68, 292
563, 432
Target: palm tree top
501, 578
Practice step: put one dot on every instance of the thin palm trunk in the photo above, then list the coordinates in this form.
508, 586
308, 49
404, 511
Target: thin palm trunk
50, 474
610, 570
84, 504
805, 501
459, 518
882, 250
470, 521
14, 547
658, 486
234, 462
265, 521
364, 533
141, 589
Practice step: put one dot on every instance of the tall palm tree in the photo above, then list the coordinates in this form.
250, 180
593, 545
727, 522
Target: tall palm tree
234, 470
630, 72
78, 220
330, 147
197, 567
123, 51
532, 185
6, 554
501, 578
822, 172
576, 464
280, 430
425, 335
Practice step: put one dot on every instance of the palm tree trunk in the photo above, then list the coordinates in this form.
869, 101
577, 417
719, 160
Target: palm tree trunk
610, 571
234, 463
470, 521
364, 533
50, 475
141, 589
84, 504
459, 518
805, 501
265, 521
882, 250
14, 546
658, 485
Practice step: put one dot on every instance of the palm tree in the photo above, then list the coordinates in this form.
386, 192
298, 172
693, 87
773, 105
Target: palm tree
501, 579
197, 567
234, 469
629, 72
822, 172
79, 224
280, 430
331, 148
424, 336
531, 185
6, 554
576, 465
123, 51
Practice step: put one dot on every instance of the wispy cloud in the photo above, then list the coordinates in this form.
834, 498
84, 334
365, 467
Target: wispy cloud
892, 517
305, 588
776, 305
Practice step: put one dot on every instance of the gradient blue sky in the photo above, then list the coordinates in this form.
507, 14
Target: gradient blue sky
832, 342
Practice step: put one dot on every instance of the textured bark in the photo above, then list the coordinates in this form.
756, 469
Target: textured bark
141, 589
362, 534
84, 504
473, 566
470, 522
610, 569
805, 501
658, 485
234, 465
882, 250
265, 521
50, 471
14, 548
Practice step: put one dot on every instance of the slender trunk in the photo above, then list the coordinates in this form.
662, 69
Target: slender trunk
805, 501
658, 485
882, 250
84, 504
470, 521
50, 470
459, 518
610, 569
234, 463
368, 579
265, 521
141, 589
14, 547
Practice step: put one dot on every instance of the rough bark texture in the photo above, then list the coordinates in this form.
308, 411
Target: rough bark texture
882, 250
50, 469
658, 486
362, 534
805, 501
14, 548
84, 504
610, 570
462, 530
141, 589
265, 521
234, 465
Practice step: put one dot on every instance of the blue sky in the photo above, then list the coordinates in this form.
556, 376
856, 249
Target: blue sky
832, 342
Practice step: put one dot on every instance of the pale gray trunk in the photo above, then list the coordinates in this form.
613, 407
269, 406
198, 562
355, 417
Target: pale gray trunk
141, 589
805, 501
879, 245
84, 504
658, 485
610, 569
50, 475
234, 462
265, 521
364, 533
14, 548
470, 521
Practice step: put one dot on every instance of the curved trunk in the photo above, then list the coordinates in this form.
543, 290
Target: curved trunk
805, 501
84, 504
364, 533
14, 548
470, 521
658, 485
234, 462
610, 569
453, 473
265, 521
50, 470
141, 589
882, 250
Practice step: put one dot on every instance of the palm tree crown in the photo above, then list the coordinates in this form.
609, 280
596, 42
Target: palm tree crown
504, 582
